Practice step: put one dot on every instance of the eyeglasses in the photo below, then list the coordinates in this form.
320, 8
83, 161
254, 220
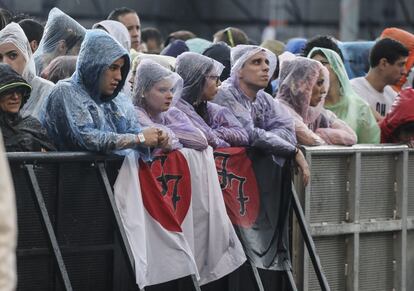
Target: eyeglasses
217, 78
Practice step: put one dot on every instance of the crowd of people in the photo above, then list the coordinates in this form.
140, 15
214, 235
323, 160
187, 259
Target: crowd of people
117, 87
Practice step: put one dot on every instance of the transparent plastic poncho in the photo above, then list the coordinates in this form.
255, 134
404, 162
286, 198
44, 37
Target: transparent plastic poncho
41, 88
117, 30
269, 125
351, 108
314, 125
356, 57
62, 36
79, 116
217, 123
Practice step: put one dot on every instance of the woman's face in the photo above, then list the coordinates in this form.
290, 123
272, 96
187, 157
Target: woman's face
324, 61
210, 87
11, 101
159, 98
11, 55
318, 90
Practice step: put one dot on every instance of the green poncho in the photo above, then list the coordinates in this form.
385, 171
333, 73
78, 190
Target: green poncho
351, 108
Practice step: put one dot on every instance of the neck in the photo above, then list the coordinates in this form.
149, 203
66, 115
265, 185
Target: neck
334, 95
153, 114
249, 91
375, 80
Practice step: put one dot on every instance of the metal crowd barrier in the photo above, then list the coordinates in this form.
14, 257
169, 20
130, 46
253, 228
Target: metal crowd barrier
359, 206
69, 234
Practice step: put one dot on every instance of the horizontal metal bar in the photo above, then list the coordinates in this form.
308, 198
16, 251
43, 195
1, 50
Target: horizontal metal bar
350, 228
57, 157
68, 249
364, 148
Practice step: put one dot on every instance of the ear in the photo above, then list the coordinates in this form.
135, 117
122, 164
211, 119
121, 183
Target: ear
383, 63
61, 47
34, 45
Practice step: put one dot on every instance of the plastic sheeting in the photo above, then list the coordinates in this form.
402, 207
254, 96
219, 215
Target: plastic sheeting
117, 30
34, 106
314, 125
150, 73
269, 126
217, 123
79, 116
62, 36
351, 108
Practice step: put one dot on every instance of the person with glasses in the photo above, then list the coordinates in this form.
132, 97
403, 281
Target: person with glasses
201, 76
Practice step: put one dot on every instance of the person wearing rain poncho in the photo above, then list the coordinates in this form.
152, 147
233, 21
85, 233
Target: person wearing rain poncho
86, 112
303, 87
343, 101
269, 126
15, 51
398, 124
201, 76
62, 36
156, 89
21, 134
117, 30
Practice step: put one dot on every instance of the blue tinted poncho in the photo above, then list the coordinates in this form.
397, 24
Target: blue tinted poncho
78, 116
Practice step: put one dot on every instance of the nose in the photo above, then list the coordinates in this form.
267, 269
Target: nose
15, 96
265, 67
169, 95
118, 75
218, 83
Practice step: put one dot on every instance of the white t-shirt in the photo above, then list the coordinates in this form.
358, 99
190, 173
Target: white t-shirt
379, 101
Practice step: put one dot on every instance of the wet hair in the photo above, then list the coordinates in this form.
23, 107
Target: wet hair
32, 29
117, 12
151, 33
323, 41
60, 68
232, 36
389, 49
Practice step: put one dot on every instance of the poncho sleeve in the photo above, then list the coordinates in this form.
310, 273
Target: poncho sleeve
337, 132
145, 121
79, 125
188, 135
368, 129
226, 126
272, 131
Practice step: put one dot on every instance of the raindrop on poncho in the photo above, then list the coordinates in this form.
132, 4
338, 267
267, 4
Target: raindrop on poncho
79, 116
62, 36
314, 125
41, 88
217, 123
351, 108
269, 126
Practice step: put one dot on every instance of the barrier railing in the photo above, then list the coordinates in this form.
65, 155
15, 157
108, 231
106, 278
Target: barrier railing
360, 209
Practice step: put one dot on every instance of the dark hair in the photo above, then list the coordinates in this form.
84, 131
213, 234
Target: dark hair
59, 68
232, 36
407, 128
151, 33
117, 12
179, 35
32, 29
389, 49
323, 41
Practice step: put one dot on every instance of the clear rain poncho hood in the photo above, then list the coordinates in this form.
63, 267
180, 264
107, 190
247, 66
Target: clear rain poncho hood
60, 30
79, 117
351, 108
269, 126
149, 73
41, 88
314, 124
296, 80
193, 68
117, 30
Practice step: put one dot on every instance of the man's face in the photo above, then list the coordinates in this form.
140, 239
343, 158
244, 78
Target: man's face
255, 71
394, 72
111, 77
132, 23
